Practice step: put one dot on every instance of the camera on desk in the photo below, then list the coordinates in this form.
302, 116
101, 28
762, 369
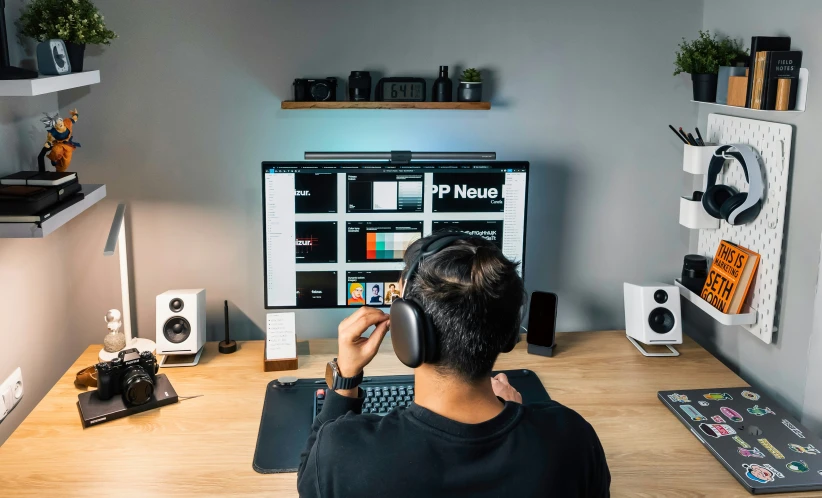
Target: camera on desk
132, 374
310, 90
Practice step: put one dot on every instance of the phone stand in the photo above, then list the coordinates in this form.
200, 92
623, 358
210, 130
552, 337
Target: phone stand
541, 350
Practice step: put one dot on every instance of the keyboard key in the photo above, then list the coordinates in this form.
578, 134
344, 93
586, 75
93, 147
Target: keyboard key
407, 398
393, 404
383, 399
391, 398
320, 393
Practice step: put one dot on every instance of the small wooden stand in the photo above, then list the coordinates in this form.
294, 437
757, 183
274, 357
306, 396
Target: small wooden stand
278, 365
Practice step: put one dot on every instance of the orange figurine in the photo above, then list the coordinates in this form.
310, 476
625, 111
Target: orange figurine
59, 139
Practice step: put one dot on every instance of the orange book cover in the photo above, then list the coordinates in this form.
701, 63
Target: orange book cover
730, 277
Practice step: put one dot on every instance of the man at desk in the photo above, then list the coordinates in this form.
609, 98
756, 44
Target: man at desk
465, 434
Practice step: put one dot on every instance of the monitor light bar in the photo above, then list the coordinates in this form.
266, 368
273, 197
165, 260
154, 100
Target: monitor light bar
400, 156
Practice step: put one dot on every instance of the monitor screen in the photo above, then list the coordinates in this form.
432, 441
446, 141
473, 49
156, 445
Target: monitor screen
336, 233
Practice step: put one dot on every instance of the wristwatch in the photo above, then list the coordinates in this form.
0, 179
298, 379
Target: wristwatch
336, 381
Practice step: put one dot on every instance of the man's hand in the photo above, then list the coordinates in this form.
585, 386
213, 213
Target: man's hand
504, 390
355, 351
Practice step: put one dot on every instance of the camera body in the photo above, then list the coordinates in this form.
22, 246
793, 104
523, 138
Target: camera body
132, 374
315, 90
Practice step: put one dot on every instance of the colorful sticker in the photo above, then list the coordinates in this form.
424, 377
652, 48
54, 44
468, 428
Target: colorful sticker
760, 411
718, 419
718, 396
703, 403
741, 442
762, 474
798, 466
793, 428
731, 414
768, 446
717, 430
755, 453
679, 398
806, 450
691, 411
749, 395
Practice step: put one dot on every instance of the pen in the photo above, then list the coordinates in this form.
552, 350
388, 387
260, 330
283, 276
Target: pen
692, 139
699, 136
678, 135
685, 135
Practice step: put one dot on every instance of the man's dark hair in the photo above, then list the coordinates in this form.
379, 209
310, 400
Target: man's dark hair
392, 285
473, 295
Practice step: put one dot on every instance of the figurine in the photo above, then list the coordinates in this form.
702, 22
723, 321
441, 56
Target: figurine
115, 340
59, 139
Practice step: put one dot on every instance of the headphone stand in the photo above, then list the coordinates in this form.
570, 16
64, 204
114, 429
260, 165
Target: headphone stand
642, 350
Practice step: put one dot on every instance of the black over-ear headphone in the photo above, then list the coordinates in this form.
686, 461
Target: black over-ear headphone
724, 202
412, 331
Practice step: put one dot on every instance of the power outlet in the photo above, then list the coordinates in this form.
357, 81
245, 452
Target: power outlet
11, 392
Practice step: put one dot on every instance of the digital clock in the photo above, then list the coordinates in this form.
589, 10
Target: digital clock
400, 90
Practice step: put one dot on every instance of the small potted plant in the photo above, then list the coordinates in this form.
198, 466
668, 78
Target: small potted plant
702, 58
76, 22
470, 89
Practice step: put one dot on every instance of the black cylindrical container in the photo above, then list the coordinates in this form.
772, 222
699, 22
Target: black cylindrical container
694, 272
704, 87
442, 91
359, 86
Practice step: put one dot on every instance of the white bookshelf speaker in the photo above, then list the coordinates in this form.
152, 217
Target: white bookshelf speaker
653, 316
181, 330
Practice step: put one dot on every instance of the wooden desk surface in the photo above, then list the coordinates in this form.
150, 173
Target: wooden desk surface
204, 446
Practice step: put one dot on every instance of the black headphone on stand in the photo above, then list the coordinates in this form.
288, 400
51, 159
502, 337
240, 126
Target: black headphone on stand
413, 334
724, 202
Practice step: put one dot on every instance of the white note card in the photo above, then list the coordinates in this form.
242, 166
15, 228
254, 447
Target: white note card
281, 336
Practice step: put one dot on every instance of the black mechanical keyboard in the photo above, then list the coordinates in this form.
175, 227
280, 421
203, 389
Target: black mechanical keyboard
379, 399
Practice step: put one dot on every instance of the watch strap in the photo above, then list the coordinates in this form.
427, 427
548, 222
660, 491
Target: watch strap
341, 382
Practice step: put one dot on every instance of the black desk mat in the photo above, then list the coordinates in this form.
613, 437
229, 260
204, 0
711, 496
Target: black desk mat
288, 412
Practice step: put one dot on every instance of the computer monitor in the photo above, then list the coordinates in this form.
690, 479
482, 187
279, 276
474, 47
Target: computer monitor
335, 233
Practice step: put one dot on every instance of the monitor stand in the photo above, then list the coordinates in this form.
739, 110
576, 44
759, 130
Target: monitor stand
7, 71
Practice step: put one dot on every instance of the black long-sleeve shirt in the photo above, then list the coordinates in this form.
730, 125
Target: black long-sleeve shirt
543, 449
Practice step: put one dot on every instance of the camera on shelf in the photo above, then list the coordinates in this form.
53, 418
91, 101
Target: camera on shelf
132, 374
309, 90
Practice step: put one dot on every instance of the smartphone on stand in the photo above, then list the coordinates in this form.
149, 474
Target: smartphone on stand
542, 323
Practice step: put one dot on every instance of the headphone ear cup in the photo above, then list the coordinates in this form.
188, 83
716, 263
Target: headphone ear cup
732, 203
744, 217
715, 197
408, 331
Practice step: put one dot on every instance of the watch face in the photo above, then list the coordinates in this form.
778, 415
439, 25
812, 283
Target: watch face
329, 374
58, 53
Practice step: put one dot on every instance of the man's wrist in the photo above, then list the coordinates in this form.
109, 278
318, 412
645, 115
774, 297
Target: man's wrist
346, 371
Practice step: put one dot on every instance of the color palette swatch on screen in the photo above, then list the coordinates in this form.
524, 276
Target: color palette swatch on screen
389, 245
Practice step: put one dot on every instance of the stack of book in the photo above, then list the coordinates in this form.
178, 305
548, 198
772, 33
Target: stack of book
773, 75
34, 197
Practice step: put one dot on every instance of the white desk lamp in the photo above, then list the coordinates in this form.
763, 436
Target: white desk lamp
116, 236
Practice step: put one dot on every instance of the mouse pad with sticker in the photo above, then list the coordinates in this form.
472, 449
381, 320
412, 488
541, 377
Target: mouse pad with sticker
288, 411
761, 445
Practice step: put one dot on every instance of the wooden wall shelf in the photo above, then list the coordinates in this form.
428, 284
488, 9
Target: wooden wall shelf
454, 106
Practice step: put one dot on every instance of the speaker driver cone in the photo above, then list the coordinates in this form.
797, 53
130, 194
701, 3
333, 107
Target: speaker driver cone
176, 329
661, 320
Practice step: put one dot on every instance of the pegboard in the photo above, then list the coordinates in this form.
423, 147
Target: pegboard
765, 234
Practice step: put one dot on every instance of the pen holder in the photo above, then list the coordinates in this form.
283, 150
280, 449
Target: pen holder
695, 159
693, 215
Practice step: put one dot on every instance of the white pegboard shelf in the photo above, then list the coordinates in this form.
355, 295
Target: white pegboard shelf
47, 84
723, 318
765, 234
801, 98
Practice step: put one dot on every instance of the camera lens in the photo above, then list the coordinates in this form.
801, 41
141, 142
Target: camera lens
137, 386
320, 91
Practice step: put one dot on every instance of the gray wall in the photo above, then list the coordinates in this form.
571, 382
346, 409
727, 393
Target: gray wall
189, 104
781, 368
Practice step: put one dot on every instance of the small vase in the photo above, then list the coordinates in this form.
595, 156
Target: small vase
704, 87
76, 51
469, 91
114, 341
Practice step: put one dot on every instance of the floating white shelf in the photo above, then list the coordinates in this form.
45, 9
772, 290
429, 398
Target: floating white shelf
93, 195
47, 84
724, 319
801, 97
